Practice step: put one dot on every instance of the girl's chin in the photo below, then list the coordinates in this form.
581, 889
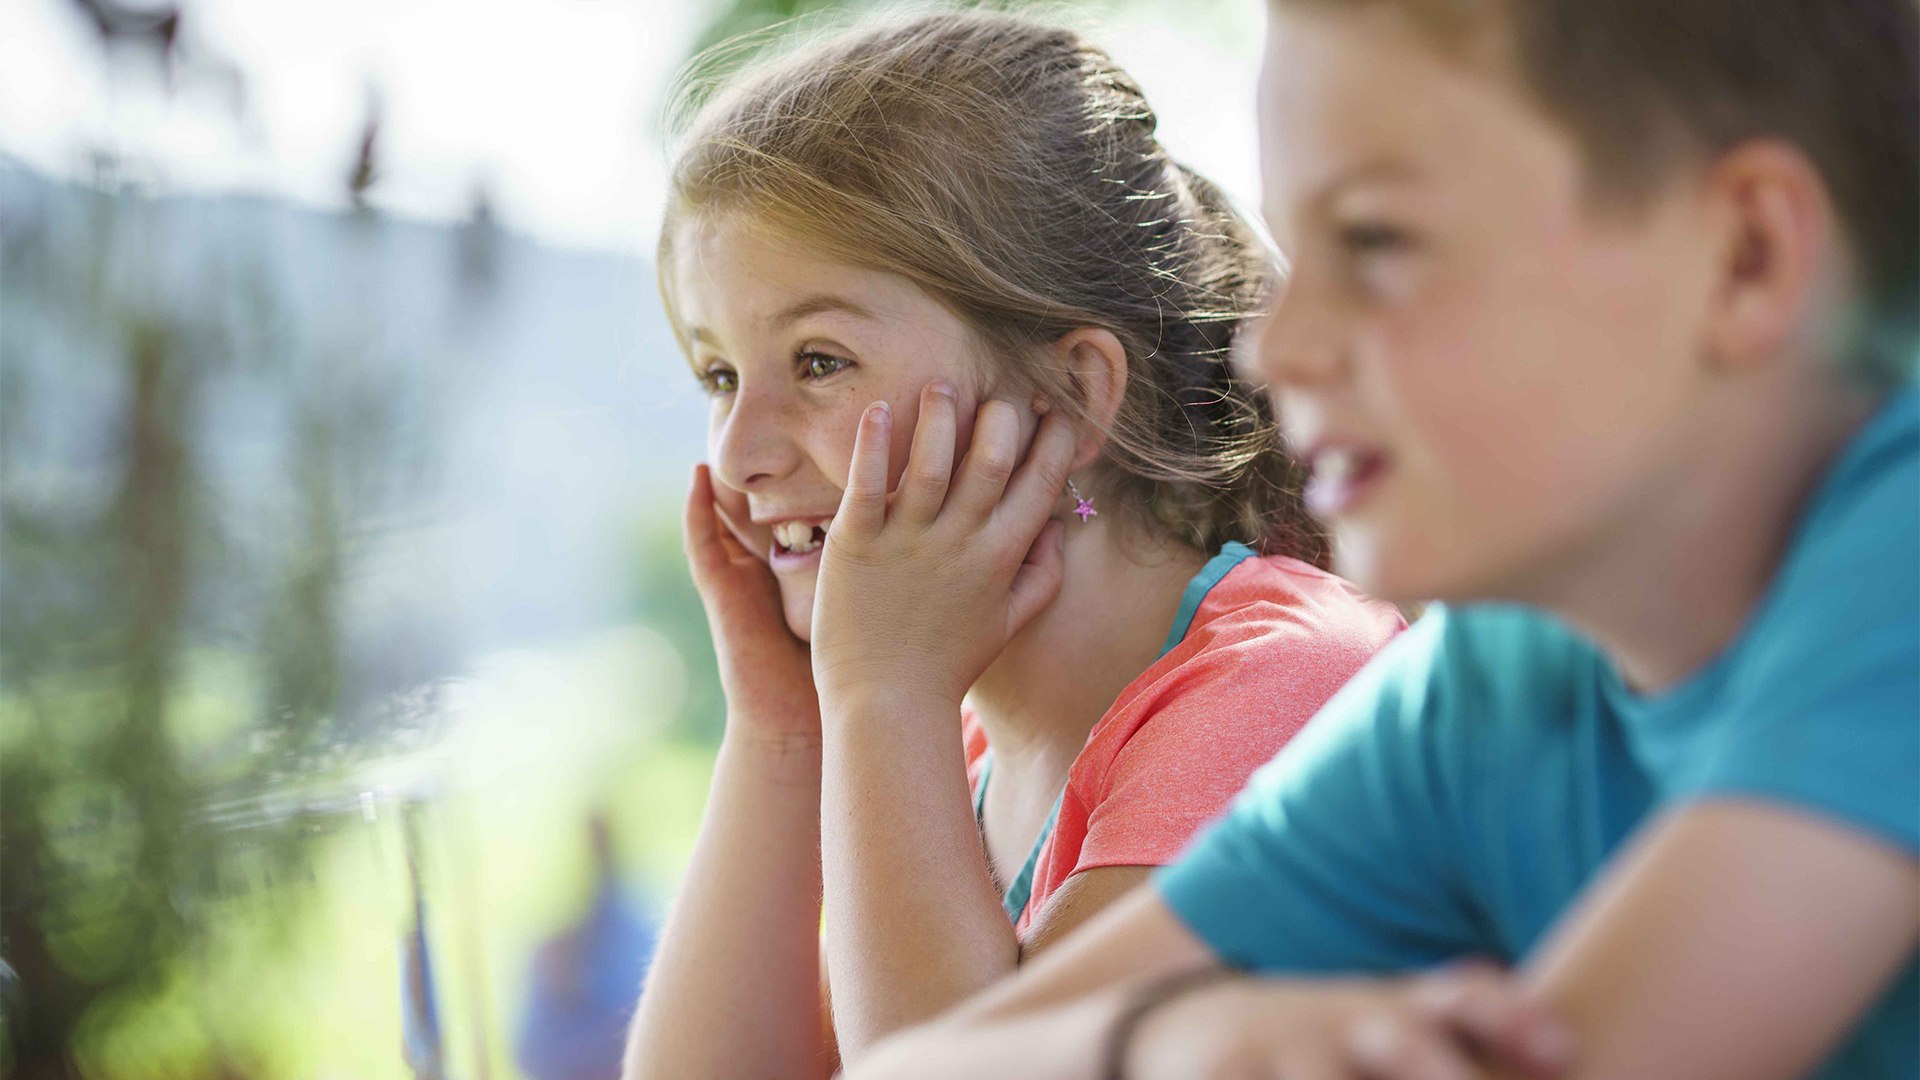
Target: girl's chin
799, 611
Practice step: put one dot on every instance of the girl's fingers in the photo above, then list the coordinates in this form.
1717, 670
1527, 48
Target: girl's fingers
1036, 487
734, 538
930, 465
712, 537
990, 460
699, 523
1037, 581
863, 509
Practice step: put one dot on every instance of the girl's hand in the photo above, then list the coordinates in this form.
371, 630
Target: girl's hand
764, 669
1460, 1024
917, 598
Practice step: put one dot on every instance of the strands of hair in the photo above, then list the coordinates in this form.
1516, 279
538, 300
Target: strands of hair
1011, 170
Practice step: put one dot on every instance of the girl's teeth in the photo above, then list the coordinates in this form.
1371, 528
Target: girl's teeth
795, 536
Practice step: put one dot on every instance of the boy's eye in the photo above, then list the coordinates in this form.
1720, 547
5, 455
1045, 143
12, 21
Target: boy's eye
1380, 260
718, 380
1374, 239
819, 365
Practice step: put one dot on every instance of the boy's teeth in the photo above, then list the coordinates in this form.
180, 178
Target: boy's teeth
1333, 465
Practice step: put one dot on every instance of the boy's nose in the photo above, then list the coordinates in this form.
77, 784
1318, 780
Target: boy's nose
754, 444
1300, 344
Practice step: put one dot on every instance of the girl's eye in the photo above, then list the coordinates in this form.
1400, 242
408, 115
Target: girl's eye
819, 365
718, 380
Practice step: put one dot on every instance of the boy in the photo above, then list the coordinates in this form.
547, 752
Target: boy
1600, 329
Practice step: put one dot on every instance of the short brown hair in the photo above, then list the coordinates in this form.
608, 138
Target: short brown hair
1011, 170
1643, 84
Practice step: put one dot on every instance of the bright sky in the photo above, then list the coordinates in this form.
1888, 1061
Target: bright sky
551, 102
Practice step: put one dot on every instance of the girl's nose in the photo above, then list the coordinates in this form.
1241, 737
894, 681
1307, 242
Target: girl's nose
754, 443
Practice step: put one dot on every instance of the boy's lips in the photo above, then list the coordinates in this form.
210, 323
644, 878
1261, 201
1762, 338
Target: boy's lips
1341, 476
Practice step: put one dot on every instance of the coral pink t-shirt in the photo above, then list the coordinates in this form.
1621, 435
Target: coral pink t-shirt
1267, 644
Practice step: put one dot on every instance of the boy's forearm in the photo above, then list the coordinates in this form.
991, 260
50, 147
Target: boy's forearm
914, 923
734, 989
1730, 940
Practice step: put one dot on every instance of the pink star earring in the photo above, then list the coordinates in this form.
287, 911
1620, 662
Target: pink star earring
1085, 505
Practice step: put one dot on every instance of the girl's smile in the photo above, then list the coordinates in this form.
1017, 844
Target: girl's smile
791, 348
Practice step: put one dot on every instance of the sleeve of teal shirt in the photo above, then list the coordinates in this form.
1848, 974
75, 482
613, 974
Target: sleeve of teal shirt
1823, 704
1340, 856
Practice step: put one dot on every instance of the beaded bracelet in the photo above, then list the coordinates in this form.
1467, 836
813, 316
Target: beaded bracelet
1142, 1004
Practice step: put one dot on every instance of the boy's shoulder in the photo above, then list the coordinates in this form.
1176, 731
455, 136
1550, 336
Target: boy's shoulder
1815, 703
1861, 521
1493, 666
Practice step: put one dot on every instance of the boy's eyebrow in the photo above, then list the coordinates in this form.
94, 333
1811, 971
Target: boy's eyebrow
1377, 169
815, 305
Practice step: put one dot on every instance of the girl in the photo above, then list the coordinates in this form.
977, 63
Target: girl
961, 215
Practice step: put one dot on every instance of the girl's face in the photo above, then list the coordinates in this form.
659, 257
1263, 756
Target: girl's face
792, 348
1489, 378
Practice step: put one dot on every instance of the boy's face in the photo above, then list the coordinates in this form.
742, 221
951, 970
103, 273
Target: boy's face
1487, 376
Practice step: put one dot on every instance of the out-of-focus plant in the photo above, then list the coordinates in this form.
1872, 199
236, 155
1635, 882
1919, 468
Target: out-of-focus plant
171, 642
179, 693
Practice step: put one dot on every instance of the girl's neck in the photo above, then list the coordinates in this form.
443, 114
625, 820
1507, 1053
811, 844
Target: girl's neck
1673, 584
1061, 673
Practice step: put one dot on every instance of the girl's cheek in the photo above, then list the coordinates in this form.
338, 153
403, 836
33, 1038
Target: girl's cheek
832, 440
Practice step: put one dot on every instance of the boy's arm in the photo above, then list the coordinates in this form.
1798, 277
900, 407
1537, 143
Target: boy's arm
1734, 939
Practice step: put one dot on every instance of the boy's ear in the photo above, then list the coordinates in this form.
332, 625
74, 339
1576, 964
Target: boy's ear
1777, 260
1097, 364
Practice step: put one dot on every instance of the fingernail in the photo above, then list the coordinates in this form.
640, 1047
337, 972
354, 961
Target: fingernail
879, 410
1041, 406
943, 388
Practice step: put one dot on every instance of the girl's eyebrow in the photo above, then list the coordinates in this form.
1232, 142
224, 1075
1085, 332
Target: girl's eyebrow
817, 304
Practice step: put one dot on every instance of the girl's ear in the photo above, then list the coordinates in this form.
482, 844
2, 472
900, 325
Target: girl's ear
1097, 364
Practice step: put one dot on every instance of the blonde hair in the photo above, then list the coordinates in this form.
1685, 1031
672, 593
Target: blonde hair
1011, 170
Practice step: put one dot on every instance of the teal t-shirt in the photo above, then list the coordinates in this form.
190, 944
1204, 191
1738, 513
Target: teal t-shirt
1458, 795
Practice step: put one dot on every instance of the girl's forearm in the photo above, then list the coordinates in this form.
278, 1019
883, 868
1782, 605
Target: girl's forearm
914, 923
1067, 1042
734, 989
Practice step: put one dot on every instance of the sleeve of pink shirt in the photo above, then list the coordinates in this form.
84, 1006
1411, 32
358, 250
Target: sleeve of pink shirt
1187, 744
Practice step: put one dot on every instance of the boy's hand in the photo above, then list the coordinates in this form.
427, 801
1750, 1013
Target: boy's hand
916, 598
763, 668
1460, 1024
1483, 1008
